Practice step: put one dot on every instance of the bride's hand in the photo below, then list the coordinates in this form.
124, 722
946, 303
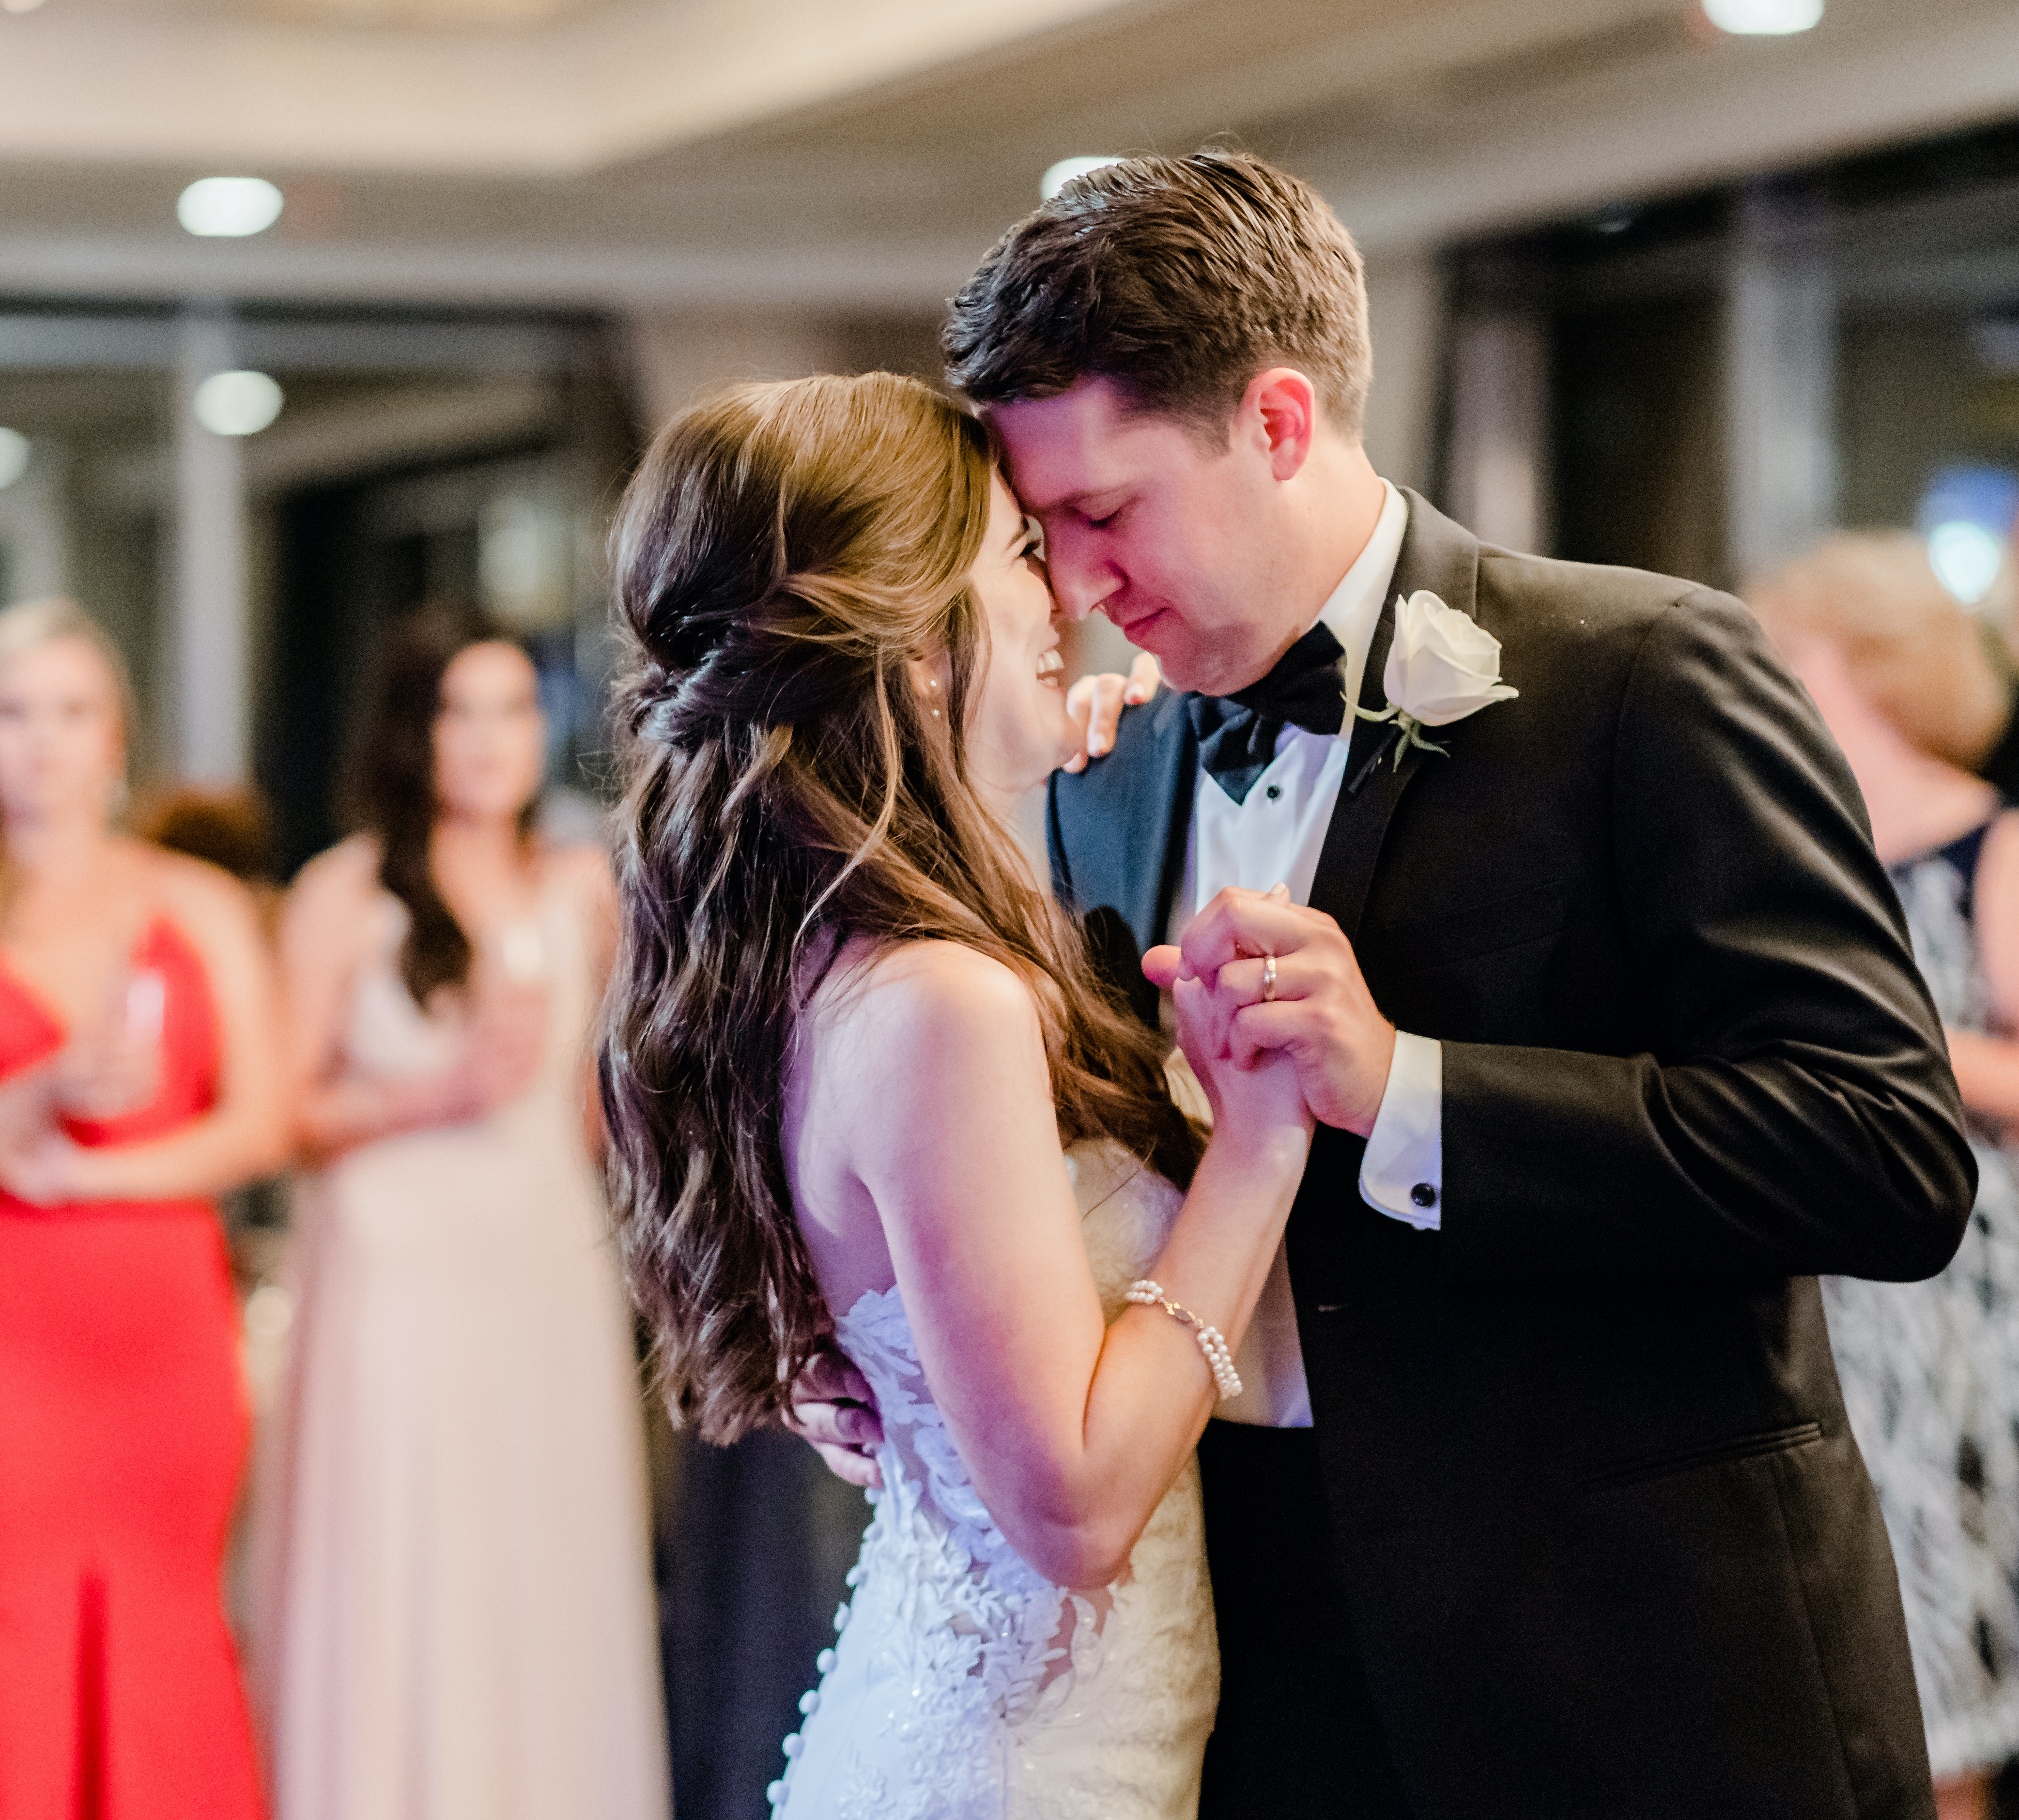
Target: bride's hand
1257, 1103
1097, 703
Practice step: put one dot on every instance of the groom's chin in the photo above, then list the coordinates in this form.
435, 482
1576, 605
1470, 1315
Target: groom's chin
1177, 662
1196, 672
1209, 665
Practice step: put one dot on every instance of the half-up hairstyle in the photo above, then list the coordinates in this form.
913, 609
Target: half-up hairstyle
391, 791
781, 555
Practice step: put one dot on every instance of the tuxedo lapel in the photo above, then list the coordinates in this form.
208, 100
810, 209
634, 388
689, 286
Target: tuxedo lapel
1443, 557
1118, 829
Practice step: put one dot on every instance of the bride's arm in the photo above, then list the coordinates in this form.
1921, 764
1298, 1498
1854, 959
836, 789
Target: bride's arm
1071, 1430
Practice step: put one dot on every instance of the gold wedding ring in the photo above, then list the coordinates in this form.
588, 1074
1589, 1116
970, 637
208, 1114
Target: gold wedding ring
1268, 979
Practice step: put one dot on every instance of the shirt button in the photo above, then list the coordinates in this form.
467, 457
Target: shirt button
1274, 791
1423, 1195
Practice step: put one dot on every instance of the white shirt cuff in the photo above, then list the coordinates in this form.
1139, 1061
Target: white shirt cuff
1402, 1174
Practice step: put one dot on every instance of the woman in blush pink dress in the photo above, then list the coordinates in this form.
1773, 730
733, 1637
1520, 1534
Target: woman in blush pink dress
454, 1614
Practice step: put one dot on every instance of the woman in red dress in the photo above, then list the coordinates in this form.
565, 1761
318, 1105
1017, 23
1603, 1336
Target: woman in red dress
140, 1073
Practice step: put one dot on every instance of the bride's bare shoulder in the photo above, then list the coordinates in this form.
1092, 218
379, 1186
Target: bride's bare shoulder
896, 1047
905, 1006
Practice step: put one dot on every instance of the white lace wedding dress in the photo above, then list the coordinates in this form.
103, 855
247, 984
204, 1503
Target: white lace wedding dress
964, 1685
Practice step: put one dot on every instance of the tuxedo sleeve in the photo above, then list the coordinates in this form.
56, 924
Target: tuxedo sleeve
1402, 1173
1794, 1113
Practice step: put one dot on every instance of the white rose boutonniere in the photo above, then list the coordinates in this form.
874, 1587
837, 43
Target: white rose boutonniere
1442, 668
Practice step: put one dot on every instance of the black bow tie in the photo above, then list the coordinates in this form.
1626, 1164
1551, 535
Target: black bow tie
1237, 733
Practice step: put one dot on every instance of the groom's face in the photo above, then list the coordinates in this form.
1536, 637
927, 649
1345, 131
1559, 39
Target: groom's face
1178, 542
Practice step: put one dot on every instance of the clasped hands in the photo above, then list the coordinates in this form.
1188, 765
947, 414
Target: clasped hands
1316, 1011
1320, 1013
1321, 1018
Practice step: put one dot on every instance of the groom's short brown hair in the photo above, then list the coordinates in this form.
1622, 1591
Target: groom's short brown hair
1177, 280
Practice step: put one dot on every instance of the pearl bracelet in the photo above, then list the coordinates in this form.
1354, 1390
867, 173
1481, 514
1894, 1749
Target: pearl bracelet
1146, 1293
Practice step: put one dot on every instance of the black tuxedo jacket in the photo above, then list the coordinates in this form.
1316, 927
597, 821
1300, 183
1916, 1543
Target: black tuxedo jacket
1607, 1542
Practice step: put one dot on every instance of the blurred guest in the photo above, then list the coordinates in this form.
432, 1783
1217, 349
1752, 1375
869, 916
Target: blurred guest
232, 828
140, 1042
453, 1606
1957, 696
1931, 1370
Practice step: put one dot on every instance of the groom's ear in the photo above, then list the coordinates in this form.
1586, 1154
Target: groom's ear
1279, 413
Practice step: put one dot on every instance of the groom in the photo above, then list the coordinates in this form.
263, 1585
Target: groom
1606, 1012
1541, 1501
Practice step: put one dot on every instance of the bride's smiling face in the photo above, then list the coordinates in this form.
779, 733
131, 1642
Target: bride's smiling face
1018, 730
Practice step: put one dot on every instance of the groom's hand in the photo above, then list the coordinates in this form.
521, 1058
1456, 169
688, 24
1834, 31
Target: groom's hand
1323, 1015
834, 1411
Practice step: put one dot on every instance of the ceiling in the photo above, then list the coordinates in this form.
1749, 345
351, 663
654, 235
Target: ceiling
395, 15
862, 152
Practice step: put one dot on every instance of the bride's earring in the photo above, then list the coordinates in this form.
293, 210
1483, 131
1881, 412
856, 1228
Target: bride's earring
933, 689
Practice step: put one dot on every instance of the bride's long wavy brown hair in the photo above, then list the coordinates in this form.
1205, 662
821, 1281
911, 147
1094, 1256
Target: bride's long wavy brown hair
782, 553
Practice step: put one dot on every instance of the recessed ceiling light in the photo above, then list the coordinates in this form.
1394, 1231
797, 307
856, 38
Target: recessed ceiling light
14, 452
1763, 18
228, 207
238, 403
1057, 176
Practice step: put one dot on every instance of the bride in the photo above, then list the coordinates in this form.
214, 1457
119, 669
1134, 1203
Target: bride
865, 1089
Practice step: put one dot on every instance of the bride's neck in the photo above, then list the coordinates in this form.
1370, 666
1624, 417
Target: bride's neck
1006, 805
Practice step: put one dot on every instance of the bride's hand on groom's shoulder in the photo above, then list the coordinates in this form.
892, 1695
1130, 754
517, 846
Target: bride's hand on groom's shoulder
1097, 703
1316, 1012
834, 1411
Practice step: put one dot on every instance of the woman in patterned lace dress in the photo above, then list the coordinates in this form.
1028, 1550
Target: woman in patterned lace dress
860, 1081
1931, 1370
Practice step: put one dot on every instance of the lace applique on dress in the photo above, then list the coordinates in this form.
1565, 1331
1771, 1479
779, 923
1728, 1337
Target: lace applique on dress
1020, 1634
964, 1685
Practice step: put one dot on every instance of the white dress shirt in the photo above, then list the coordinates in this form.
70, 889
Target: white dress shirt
1275, 836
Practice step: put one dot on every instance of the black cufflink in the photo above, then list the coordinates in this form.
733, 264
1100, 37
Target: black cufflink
1423, 1195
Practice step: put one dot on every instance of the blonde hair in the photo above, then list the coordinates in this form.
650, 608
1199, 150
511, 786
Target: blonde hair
31, 623
783, 554
1911, 650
